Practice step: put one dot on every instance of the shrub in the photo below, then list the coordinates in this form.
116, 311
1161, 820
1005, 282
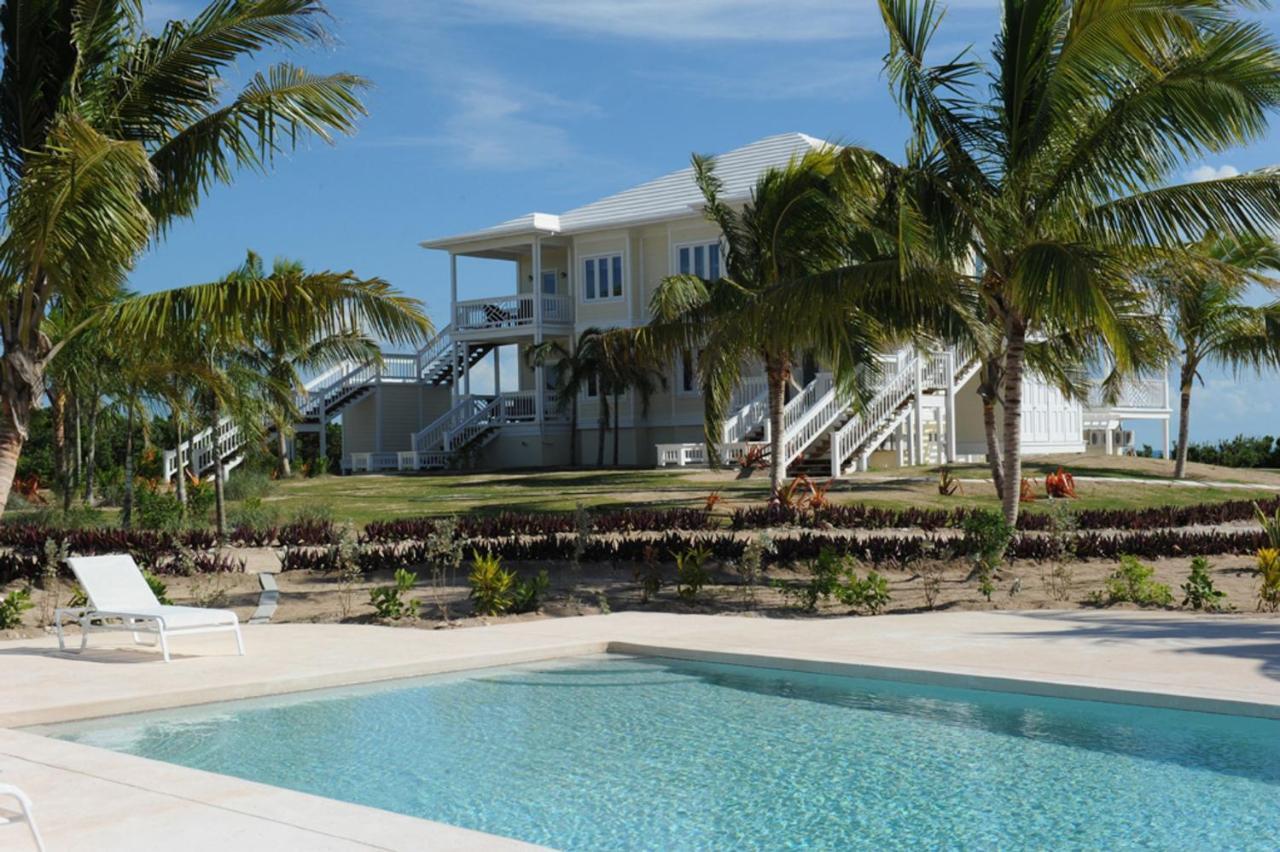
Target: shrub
251, 516
870, 593
158, 588
527, 595
388, 601
1135, 583
1199, 592
12, 606
157, 510
931, 582
247, 484
1270, 524
200, 499
491, 584
987, 536
1269, 589
691, 573
649, 574
824, 580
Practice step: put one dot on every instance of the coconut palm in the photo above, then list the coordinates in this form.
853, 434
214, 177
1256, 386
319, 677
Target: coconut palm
107, 133
1055, 160
1211, 322
806, 237
284, 352
573, 370
625, 368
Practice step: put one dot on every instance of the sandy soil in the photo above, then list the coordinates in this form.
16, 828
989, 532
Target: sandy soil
308, 597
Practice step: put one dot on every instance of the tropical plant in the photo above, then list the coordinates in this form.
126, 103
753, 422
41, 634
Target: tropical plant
527, 594
791, 246
1199, 592
1270, 523
691, 572
574, 370
1269, 579
389, 601
1133, 582
869, 593
282, 353
1052, 162
1211, 321
12, 606
492, 586
107, 133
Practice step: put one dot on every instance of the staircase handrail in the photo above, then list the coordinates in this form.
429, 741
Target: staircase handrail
431, 437
198, 449
481, 417
750, 414
434, 348
816, 419
893, 393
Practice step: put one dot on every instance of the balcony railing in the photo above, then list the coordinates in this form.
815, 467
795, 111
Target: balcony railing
1136, 394
510, 312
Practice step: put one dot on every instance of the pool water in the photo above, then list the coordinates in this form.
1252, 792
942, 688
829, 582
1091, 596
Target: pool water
615, 752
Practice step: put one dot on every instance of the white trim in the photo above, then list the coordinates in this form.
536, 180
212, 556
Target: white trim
674, 260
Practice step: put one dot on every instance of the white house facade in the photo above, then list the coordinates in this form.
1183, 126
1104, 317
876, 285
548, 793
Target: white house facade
598, 265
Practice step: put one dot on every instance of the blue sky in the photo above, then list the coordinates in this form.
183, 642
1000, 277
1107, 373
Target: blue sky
487, 109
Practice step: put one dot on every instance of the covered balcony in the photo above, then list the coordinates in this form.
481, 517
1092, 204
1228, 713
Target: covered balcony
1139, 399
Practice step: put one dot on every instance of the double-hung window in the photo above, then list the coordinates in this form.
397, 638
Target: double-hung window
688, 373
602, 278
700, 259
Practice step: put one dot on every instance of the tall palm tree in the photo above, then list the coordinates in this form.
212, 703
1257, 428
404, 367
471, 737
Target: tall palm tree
1055, 161
1213, 324
625, 368
284, 352
804, 239
107, 133
573, 369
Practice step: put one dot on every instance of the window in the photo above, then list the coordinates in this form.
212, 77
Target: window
700, 259
602, 278
593, 388
688, 375
550, 279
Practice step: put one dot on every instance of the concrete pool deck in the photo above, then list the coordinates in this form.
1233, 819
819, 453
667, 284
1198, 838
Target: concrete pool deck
94, 799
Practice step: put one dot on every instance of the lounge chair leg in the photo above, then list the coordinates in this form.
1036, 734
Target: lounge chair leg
24, 804
84, 634
164, 644
57, 626
239, 641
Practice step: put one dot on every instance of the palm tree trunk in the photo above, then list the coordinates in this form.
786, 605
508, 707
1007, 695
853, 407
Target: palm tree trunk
776, 373
573, 431
126, 505
11, 441
79, 459
616, 428
61, 460
91, 459
20, 382
219, 480
1187, 380
1016, 335
180, 480
602, 427
282, 447
993, 445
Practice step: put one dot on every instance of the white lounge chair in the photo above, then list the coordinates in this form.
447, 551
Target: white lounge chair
24, 804
120, 599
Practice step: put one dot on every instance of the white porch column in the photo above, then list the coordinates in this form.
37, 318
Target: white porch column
939, 437
1164, 450
1110, 439
539, 382
951, 406
497, 371
453, 315
455, 387
324, 436
917, 437
377, 415
466, 368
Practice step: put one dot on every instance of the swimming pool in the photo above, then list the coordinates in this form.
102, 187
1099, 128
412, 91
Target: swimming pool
616, 752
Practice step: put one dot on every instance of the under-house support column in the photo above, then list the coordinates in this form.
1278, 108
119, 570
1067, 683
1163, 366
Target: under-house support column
539, 381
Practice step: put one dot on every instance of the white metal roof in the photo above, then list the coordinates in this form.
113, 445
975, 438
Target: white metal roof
669, 196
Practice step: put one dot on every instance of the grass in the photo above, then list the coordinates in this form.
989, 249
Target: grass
357, 500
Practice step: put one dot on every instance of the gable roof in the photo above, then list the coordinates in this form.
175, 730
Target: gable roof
669, 196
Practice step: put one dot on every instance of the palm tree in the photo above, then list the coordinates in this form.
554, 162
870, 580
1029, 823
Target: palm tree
805, 238
1055, 160
107, 134
283, 352
624, 368
1210, 321
573, 369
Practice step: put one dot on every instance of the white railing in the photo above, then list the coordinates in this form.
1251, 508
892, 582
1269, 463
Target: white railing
894, 392
515, 311
326, 391
1144, 394
432, 437
799, 405
197, 451
682, 455
751, 408
433, 350
816, 420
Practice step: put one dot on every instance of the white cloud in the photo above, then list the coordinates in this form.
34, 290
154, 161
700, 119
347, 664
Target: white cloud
693, 20
1207, 172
